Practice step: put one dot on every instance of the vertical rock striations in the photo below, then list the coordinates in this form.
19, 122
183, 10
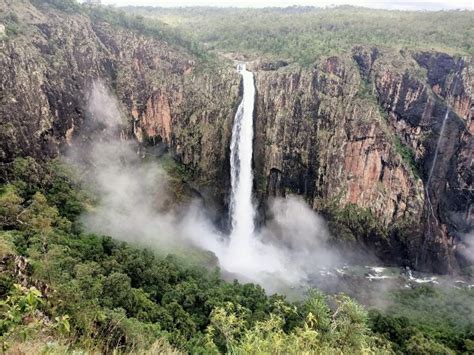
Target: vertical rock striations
169, 96
355, 134
363, 130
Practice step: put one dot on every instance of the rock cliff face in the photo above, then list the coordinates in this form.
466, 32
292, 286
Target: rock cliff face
169, 96
361, 129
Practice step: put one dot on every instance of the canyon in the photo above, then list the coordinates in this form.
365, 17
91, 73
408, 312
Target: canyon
354, 134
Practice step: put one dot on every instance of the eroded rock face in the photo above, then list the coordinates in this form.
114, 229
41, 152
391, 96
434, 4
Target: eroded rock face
321, 138
365, 132
156, 120
328, 143
358, 129
168, 96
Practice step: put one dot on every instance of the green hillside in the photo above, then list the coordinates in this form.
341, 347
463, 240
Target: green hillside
302, 34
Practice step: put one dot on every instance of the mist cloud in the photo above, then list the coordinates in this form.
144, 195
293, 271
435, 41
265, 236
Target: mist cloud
466, 248
104, 107
133, 205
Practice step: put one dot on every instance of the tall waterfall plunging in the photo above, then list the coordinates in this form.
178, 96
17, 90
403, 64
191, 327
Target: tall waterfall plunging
242, 211
435, 159
246, 253
441, 134
430, 210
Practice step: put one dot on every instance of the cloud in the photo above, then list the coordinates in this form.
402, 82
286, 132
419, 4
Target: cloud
104, 107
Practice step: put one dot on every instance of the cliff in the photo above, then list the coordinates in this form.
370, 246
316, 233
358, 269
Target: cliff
355, 134
363, 130
169, 95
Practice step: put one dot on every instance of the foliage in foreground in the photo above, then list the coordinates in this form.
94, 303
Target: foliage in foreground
92, 293
429, 320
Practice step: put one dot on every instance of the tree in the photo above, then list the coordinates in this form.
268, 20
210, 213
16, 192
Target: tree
10, 207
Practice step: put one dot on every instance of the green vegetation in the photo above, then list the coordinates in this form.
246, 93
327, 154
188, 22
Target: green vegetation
24, 303
178, 176
92, 293
12, 23
428, 320
70, 6
105, 295
352, 223
132, 22
147, 27
407, 155
403, 150
366, 92
304, 34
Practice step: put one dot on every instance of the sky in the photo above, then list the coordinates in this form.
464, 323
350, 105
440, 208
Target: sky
387, 4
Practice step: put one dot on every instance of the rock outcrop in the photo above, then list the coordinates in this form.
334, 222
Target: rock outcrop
168, 94
363, 130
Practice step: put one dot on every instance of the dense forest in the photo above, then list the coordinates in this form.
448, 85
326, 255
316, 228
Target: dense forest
63, 289
305, 34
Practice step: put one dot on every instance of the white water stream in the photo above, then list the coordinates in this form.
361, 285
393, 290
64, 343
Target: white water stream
242, 211
435, 159
441, 135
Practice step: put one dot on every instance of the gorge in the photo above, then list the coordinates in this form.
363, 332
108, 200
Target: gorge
355, 134
235, 180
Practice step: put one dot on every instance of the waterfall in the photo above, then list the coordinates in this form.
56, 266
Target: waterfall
429, 204
245, 253
438, 143
431, 212
242, 211
436, 153
441, 134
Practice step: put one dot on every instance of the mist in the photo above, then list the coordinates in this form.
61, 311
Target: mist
466, 248
290, 253
134, 204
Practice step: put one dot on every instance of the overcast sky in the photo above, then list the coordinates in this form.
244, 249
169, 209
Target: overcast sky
393, 4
